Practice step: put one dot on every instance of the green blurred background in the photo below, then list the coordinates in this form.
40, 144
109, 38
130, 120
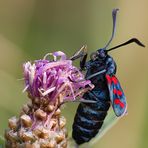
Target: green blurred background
31, 28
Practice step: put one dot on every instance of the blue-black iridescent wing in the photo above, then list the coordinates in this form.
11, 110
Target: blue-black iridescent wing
117, 97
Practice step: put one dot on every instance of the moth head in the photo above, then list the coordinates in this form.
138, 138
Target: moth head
102, 53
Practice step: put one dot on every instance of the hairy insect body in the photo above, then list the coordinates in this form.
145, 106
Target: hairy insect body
90, 116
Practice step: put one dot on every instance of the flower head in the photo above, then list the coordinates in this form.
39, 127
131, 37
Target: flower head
49, 78
49, 83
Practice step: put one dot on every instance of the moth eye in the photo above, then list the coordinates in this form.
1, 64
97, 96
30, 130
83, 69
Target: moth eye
93, 56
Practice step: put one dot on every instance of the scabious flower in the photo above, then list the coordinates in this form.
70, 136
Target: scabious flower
49, 84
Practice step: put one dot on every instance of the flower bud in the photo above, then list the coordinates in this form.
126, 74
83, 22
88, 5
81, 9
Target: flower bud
57, 112
26, 120
59, 137
40, 114
50, 108
13, 123
62, 122
51, 144
27, 136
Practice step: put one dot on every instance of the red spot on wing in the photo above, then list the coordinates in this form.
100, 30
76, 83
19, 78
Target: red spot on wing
114, 79
115, 91
109, 80
118, 92
118, 102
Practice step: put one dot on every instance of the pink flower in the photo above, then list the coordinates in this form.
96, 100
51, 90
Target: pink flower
50, 78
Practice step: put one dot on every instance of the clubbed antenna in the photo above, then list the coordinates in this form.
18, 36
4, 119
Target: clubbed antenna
133, 40
114, 15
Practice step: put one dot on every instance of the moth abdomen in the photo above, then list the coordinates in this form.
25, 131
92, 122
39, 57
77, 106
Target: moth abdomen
89, 119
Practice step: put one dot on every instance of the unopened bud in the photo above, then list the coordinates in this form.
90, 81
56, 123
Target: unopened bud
59, 137
53, 123
44, 134
57, 112
62, 122
63, 144
27, 136
50, 144
40, 114
50, 108
26, 120
10, 135
12, 122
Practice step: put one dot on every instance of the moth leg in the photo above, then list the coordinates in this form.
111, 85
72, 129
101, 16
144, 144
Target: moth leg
82, 54
95, 74
84, 101
80, 101
83, 61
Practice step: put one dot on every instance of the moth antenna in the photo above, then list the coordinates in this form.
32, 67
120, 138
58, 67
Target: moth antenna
133, 40
114, 16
